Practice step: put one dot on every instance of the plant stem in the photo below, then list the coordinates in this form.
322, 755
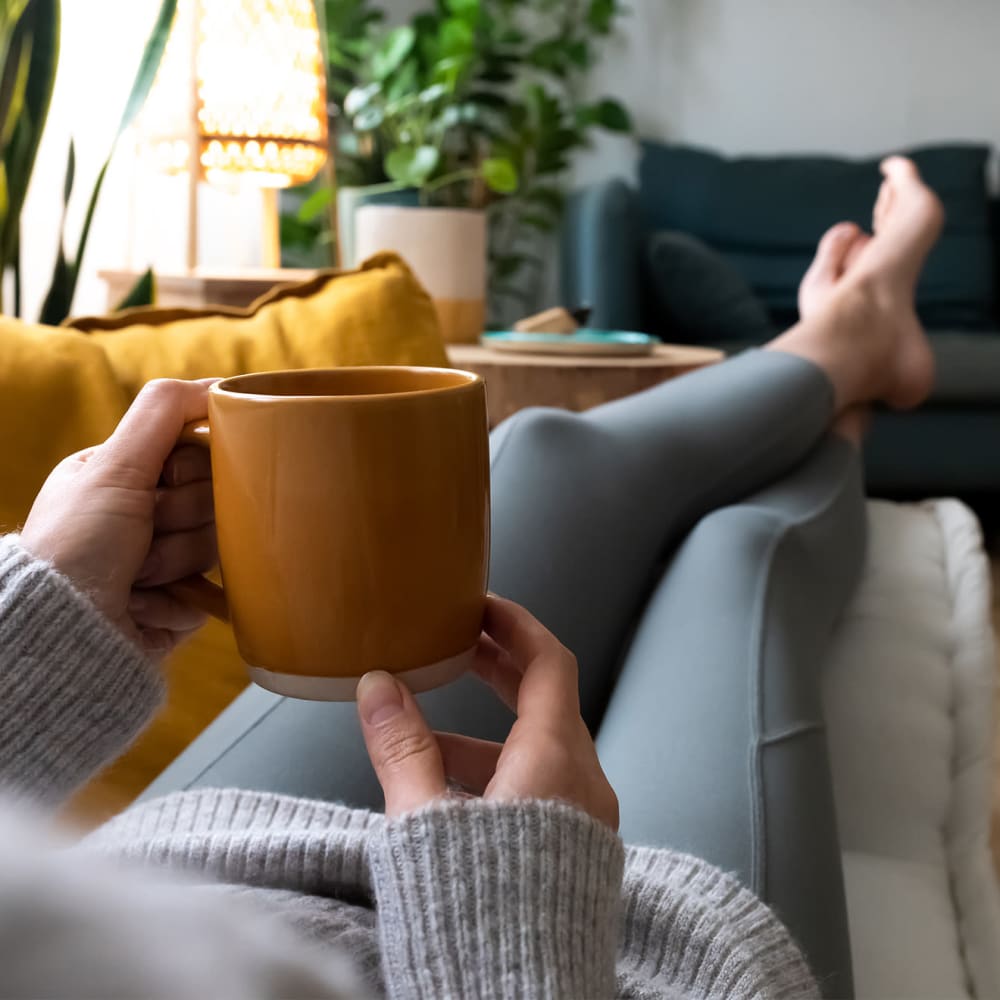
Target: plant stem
465, 174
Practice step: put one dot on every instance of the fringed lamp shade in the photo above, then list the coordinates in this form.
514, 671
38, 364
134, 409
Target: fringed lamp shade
240, 94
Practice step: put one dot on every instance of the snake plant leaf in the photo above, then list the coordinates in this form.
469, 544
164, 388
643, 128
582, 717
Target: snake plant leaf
13, 84
142, 293
39, 22
59, 298
151, 56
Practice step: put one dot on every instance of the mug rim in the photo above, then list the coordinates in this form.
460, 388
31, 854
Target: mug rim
225, 387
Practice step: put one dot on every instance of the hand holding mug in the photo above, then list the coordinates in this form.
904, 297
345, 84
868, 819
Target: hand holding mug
124, 518
548, 754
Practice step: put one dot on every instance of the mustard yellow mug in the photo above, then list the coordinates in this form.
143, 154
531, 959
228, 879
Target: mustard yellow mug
352, 511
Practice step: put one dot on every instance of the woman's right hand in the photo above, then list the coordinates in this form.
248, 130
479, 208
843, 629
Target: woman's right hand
548, 754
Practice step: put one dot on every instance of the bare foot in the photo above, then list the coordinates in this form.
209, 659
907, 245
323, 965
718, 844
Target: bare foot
833, 253
856, 299
907, 221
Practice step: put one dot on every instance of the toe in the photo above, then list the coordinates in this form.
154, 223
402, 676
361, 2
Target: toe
860, 241
832, 250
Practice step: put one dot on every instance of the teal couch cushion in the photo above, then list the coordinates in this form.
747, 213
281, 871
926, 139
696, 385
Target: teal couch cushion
766, 214
698, 296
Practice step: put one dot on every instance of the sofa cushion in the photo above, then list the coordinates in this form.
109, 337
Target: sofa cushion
908, 697
377, 314
66, 388
766, 214
698, 296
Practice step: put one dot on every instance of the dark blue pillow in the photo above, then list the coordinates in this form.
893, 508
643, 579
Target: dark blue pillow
698, 297
766, 214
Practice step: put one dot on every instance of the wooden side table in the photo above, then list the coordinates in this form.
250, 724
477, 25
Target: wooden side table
573, 382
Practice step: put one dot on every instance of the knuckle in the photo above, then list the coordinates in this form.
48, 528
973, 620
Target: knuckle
398, 745
161, 389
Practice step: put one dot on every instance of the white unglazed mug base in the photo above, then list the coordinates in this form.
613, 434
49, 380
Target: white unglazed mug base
345, 688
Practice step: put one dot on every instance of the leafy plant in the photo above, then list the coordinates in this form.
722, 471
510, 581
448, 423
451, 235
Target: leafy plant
475, 103
29, 47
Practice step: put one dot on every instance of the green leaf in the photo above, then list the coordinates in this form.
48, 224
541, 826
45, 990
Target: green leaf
499, 174
59, 297
40, 23
549, 55
463, 8
70, 174
368, 119
607, 113
64, 278
13, 84
142, 293
412, 165
148, 65
448, 71
578, 52
395, 47
315, 205
507, 264
600, 15
455, 37
433, 93
404, 81
359, 97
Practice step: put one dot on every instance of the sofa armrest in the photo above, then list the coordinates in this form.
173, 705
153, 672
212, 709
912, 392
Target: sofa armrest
600, 255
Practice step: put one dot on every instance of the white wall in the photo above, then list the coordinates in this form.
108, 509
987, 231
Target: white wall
140, 218
760, 76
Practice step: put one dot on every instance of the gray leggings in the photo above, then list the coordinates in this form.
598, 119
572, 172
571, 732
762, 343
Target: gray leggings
694, 545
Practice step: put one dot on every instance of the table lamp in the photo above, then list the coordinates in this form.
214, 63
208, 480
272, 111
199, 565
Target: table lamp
240, 97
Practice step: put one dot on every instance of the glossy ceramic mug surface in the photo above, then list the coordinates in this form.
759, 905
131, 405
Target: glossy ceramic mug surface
352, 511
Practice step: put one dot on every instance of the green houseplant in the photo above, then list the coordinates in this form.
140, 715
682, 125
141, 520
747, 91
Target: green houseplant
473, 104
29, 50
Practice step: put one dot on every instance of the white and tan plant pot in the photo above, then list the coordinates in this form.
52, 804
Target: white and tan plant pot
446, 248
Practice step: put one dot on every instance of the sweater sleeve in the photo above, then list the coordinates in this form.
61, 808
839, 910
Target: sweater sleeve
75, 927
498, 901
74, 692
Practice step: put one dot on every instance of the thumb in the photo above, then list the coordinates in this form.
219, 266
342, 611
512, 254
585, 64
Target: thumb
401, 746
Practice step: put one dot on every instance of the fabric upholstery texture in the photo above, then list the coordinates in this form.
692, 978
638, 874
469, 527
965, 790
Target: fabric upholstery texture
66, 388
766, 214
908, 694
700, 296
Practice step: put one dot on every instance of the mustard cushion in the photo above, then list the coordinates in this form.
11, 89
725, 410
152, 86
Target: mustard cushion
63, 389
378, 314
58, 394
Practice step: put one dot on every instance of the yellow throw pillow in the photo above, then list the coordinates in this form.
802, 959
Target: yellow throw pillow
62, 389
58, 394
378, 314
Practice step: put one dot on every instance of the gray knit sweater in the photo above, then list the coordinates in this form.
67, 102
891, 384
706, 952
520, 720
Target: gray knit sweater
268, 895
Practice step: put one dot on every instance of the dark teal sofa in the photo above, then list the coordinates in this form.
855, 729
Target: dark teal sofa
762, 218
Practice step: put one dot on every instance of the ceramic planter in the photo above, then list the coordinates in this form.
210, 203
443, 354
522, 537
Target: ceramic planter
349, 200
445, 247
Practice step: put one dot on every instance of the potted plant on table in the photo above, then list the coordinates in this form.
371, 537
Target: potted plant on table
468, 115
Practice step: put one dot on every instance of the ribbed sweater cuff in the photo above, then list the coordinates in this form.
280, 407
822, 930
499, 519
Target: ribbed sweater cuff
498, 900
73, 690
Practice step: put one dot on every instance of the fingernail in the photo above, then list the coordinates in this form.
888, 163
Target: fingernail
379, 697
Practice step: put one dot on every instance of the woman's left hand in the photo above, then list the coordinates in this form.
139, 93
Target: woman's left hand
127, 516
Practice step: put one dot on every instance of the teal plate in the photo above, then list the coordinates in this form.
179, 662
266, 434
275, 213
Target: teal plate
584, 341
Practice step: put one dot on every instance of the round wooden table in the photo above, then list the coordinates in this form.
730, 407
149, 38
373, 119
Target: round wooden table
572, 382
